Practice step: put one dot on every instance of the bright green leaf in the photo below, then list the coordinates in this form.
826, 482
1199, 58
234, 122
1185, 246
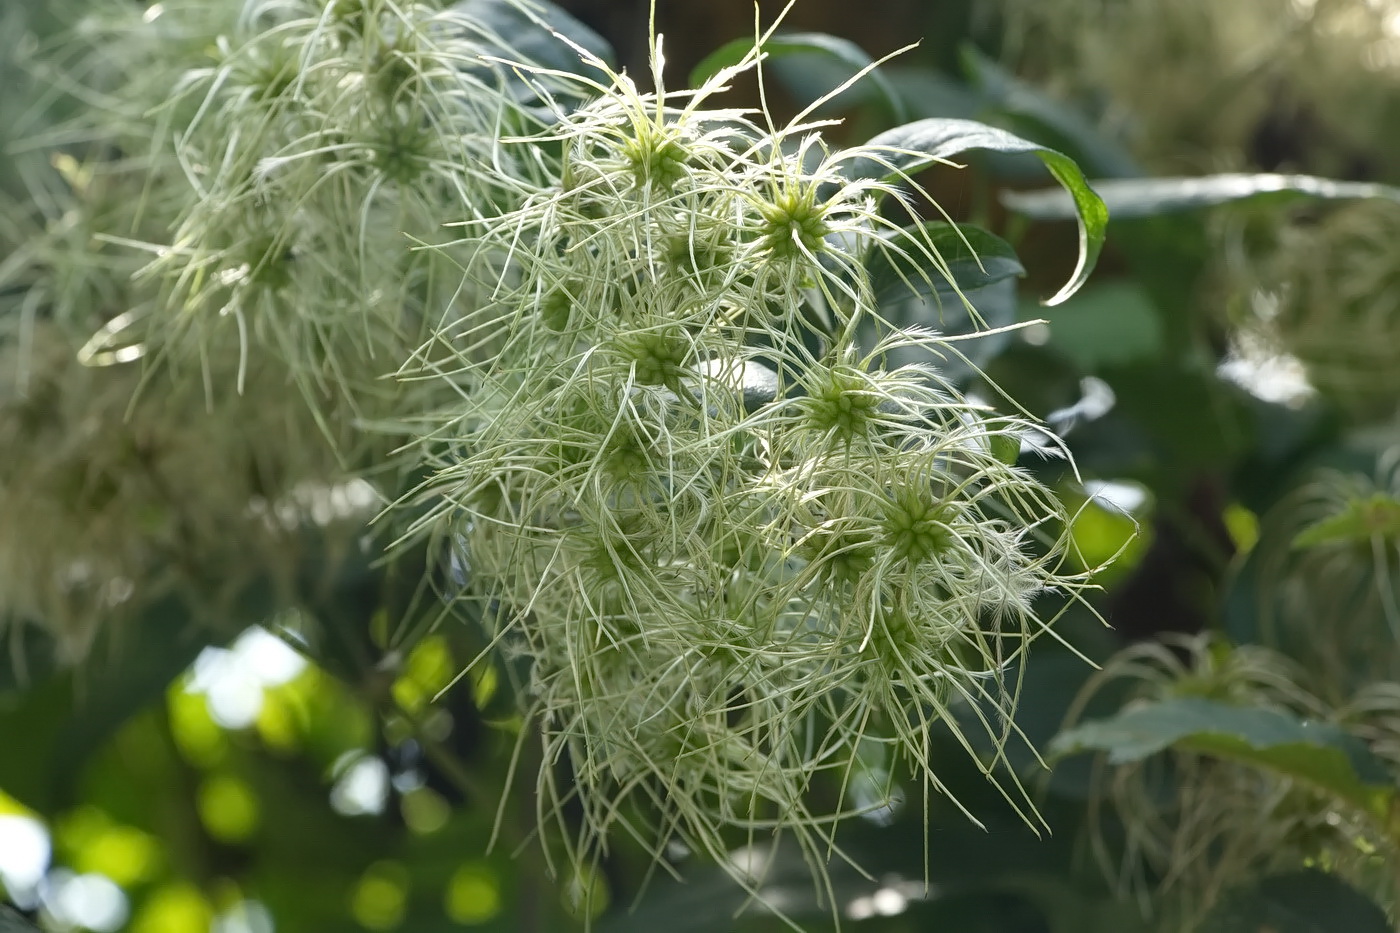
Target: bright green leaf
907, 149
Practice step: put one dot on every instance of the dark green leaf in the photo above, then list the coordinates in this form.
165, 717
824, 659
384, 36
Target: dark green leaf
27, 657
1169, 257
926, 93
1039, 115
1297, 902
907, 149
980, 269
708, 899
972, 258
12, 922
1318, 753
165, 644
77, 712
1109, 323
1147, 197
34, 719
842, 52
1206, 424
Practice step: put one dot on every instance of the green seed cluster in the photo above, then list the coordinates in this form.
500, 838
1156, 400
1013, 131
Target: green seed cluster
732, 544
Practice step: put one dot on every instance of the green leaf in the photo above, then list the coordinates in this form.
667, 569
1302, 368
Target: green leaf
1361, 521
973, 259
37, 715
1318, 753
27, 659
1006, 448
907, 149
1042, 116
12, 922
1297, 902
1148, 197
165, 644
843, 52
979, 267
927, 93
708, 899
1111, 322
73, 714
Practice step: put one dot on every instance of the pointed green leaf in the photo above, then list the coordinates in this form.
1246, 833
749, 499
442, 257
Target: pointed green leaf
906, 149
1318, 753
1361, 521
1147, 197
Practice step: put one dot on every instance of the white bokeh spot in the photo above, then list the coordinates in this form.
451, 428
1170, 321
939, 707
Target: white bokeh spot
25, 851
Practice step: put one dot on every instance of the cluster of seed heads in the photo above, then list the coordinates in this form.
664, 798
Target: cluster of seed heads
730, 544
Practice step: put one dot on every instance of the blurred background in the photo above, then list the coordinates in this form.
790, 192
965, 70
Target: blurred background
1228, 383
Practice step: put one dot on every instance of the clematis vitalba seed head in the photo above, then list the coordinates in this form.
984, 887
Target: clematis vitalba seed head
793, 223
727, 586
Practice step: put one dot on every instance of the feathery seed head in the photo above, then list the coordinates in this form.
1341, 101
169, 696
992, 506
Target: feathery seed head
723, 593
657, 159
659, 357
844, 405
915, 527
